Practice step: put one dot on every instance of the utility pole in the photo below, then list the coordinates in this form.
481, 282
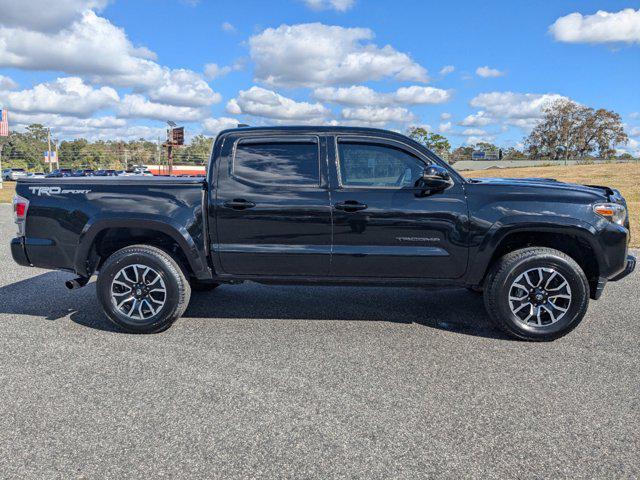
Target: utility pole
175, 138
56, 155
49, 149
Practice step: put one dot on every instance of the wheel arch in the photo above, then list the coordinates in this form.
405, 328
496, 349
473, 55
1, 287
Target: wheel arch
576, 239
102, 237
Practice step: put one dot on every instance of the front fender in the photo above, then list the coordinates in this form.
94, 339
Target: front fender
481, 255
193, 253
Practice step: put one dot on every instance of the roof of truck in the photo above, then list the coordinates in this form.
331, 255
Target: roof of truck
313, 128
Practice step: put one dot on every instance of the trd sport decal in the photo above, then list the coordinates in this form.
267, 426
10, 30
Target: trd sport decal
48, 191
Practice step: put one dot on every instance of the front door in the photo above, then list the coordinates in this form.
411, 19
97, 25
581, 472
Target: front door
272, 207
383, 225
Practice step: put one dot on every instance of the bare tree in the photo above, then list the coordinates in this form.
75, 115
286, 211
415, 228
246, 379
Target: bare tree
570, 129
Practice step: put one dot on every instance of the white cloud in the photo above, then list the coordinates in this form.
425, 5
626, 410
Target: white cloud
518, 108
479, 119
228, 27
315, 54
634, 132
415, 95
269, 104
361, 95
487, 72
183, 88
445, 127
66, 96
213, 126
445, 116
7, 83
91, 46
447, 69
137, 106
601, 27
474, 131
634, 115
378, 116
339, 5
97, 50
57, 121
213, 71
473, 140
99, 128
42, 15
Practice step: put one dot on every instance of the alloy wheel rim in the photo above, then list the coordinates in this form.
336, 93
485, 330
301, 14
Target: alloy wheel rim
540, 297
138, 292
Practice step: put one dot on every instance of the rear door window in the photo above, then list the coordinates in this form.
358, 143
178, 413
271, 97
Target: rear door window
274, 162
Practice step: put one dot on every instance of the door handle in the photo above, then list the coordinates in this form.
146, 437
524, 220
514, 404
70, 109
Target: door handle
239, 204
350, 206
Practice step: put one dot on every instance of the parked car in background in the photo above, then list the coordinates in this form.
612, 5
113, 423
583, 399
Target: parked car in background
106, 173
60, 173
13, 174
142, 171
83, 173
35, 175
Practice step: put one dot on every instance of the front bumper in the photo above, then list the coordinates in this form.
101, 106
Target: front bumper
630, 267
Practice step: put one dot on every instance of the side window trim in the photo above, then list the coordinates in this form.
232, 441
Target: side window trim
373, 141
311, 139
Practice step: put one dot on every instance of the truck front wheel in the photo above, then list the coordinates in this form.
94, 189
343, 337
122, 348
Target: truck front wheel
536, 293
142, 289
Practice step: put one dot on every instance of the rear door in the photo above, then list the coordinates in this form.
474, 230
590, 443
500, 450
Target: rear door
383, 225
273, 215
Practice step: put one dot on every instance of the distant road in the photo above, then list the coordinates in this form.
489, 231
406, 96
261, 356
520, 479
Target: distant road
484, 164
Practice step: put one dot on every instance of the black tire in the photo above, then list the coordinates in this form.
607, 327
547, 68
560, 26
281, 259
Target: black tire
176, 299
508, 268
203, 285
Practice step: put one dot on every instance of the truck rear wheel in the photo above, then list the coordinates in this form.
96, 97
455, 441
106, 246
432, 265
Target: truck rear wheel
142, 289
536, 293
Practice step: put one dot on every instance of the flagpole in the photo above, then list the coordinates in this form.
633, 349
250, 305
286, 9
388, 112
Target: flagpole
1, 179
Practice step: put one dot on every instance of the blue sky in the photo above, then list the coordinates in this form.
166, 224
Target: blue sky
471, 71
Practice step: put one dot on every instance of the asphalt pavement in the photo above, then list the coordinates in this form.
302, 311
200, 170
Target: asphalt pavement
299, 382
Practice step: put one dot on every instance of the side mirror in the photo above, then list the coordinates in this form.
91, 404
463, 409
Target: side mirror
434, 179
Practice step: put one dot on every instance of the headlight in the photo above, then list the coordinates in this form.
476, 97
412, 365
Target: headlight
613, 212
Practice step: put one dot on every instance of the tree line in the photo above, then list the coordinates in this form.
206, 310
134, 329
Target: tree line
27, 150
566, 130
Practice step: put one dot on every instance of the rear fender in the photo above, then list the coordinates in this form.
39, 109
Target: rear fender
194, 255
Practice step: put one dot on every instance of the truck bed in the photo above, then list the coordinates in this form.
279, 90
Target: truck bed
66, 215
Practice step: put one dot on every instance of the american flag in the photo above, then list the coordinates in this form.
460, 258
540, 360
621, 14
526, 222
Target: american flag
4, 123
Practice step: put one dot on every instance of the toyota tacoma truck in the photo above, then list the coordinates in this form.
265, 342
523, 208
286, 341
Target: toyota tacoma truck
328, 206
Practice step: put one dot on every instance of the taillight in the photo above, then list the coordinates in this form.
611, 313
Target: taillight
21, 210
20, 207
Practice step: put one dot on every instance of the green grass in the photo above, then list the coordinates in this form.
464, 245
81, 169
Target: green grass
7, 192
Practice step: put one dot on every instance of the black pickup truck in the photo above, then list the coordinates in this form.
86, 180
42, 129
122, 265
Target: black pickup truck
328, 205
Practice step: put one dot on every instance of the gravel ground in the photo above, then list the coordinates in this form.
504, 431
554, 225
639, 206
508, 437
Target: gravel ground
298, 382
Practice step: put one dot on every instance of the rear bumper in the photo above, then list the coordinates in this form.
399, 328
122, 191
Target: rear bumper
19, 252
629, 267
